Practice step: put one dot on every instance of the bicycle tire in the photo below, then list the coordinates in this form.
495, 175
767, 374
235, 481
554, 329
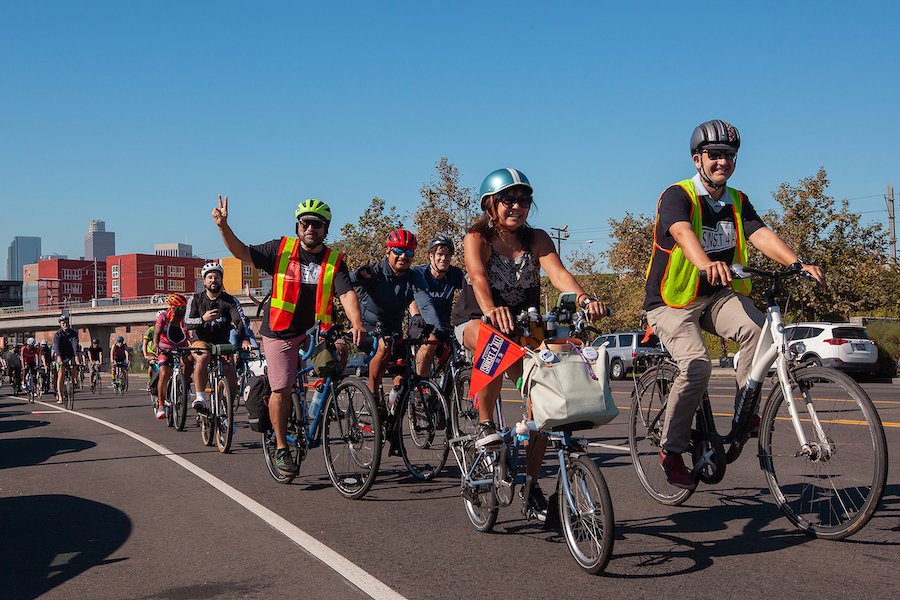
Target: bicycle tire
224, 418
179, 403
124, 382
481, 507
463, 414
29, 385
424, 439
351, 438
69, 386
645, 423
834, 497
294, 433
207, 428
590, 534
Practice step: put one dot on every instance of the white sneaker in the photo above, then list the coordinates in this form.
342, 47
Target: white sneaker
199, 405
160, 413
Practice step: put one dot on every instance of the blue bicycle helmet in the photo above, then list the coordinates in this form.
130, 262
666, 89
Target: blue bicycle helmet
499, 180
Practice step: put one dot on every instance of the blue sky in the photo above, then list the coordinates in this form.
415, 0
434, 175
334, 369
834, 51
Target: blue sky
139, 113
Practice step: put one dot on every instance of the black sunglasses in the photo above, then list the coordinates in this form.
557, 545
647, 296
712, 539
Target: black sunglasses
313, 224
510, 201
720, 154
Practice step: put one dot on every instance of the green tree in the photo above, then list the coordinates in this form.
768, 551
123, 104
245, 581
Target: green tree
446, 207
364, 242
628, 256
829, 234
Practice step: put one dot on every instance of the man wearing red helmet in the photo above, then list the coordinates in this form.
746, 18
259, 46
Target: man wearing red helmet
386, 291
704, 225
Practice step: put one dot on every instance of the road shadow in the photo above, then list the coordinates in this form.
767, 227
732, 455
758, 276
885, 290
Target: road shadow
23, 452
49, 539
885, 524
20, 425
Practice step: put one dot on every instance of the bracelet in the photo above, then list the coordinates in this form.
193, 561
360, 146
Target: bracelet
580, 296
798, 263
587, 300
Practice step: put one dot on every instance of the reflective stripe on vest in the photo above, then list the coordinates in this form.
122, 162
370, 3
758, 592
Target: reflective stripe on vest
288, 279
681, 280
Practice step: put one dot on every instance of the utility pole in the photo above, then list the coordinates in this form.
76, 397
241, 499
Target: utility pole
562, 233
889, 199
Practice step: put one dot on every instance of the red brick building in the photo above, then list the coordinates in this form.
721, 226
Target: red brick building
137, 275
62, 281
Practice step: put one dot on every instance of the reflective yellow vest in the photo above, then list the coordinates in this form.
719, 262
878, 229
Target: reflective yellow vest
681, 280
288, 279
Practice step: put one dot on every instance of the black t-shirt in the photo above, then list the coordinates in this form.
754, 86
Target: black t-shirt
264, 257
719, 239
94, 353
217, 331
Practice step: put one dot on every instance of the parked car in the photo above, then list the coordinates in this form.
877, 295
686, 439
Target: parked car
358, 365
629, 352
844, 346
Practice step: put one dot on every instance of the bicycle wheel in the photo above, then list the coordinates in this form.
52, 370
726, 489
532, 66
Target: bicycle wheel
294, 433
179, 404
463, 414
224, 419
29, 385
351, 437
93, 383
588, 525
645, 425
124, 381
423, 432
481, 504
832, 490
69, 386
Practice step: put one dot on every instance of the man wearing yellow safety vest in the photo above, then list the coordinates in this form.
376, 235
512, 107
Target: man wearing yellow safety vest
704, 225
306, 276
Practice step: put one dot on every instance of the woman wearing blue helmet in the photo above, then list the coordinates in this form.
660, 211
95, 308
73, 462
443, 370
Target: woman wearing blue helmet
504, 256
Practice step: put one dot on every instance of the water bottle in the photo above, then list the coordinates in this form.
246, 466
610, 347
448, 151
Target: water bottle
318, 394
392, 398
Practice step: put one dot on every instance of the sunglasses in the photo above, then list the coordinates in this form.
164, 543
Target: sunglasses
400, 252
313, 224
509, 201
720, 154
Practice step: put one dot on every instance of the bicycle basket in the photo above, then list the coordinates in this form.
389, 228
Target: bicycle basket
568, 386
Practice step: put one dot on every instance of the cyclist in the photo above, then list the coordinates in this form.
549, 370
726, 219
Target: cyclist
306, 277
95, 355
31, 359
14, 368
119, 357
169, 332
211, 314
504, 256
704, 225
65, 342
149, 351
387, 289
442, 280
47, 364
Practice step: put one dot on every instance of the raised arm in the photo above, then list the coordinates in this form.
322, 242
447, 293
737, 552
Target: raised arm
220, 216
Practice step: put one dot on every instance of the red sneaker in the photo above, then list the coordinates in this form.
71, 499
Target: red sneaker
676, 472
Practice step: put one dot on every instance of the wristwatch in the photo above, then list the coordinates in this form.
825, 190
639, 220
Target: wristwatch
798, 263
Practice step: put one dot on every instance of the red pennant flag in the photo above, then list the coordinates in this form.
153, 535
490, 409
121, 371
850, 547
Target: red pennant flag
494, 353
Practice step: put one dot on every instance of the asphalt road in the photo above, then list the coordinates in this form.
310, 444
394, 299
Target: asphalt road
87, 511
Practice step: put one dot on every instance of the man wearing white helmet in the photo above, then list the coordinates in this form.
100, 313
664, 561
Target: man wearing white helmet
211, 315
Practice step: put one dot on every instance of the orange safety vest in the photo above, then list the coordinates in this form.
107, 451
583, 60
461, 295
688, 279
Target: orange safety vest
288, 279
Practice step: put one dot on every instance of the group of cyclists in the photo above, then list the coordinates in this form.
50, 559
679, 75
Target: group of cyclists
702, 227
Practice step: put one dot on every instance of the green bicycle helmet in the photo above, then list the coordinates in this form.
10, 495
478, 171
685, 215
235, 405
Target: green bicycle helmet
315, 207
499, 180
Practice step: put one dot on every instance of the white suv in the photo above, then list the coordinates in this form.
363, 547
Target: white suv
844, 346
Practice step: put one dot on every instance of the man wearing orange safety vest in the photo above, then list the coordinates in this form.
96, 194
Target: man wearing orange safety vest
306, 276
703, 225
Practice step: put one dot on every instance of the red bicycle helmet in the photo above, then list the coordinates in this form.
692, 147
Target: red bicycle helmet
401, 238
177, 300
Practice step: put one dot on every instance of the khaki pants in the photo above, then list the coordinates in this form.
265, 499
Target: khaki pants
725, 313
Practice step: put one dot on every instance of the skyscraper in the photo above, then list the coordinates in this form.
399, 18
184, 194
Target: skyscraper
22, 251
99, 243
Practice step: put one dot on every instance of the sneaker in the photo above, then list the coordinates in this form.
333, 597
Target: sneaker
487, 435
200, 406
753, 426
59, 401
284, 462
676, 472
160, 413
537, 504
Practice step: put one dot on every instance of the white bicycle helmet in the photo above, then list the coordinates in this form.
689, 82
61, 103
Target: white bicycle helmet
212, 266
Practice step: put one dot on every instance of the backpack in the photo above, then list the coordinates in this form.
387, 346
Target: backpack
256, 400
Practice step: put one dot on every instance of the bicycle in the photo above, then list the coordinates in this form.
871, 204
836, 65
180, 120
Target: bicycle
490, 475
453, 373
95, 379
119, 379
345, 421
217, 423
418, 423
68, 386
827, 478
31, 386
176, 397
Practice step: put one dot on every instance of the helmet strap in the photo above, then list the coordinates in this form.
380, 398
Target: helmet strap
707, 181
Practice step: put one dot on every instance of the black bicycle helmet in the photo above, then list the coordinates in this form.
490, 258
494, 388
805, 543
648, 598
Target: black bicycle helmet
442, 240
715, 135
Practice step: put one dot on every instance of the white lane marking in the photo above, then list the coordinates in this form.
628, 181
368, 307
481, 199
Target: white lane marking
366, 582
609, 447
